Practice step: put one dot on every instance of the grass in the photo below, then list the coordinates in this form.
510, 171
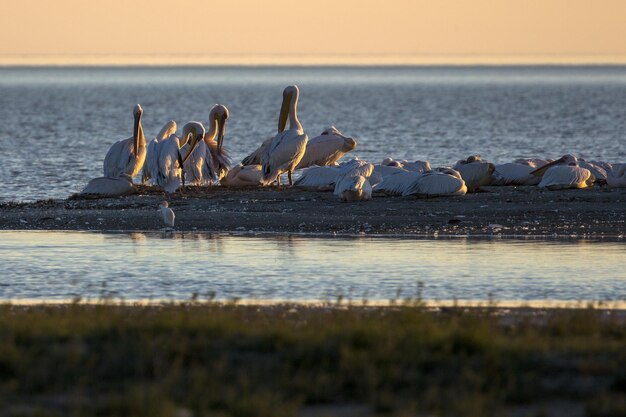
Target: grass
198, 359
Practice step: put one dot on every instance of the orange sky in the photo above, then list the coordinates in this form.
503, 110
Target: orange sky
324, 30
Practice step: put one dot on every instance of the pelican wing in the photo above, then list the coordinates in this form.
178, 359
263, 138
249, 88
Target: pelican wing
283, 154
119, 158
396, 184
221, 161
616, 177
168, 175
255, 157
382, 171
151, 166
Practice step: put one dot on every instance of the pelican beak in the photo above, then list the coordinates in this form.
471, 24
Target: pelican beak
540, 171
220, 132
136, 133
284, 112
192, 145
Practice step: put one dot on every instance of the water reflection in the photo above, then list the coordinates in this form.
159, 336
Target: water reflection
60, 265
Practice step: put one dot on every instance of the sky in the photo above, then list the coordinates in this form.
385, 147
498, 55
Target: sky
320, 31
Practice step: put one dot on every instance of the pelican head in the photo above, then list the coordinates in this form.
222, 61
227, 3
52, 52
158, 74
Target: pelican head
349, 142
164, 204
564, 160
218, 115
193, 132
137, 113
290, 99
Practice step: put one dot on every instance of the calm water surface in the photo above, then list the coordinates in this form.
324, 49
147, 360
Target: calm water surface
58, 123
61, 265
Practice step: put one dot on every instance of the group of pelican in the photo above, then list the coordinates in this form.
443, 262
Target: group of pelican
198, 157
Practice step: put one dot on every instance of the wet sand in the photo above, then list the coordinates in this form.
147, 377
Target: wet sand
505, 211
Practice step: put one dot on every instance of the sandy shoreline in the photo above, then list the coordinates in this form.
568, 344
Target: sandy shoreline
505, 211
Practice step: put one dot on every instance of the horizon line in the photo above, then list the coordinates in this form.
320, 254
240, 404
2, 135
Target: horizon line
198, 60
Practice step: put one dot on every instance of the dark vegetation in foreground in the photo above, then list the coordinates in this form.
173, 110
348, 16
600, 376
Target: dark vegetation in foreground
224, 360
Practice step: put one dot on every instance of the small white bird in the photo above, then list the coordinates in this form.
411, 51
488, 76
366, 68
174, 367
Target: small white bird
288, 146
327, 148
127, 156
167, 214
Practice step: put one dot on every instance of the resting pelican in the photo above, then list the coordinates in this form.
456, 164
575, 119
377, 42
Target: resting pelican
209, 162
475, 172
167, 214
428, 184
327, 148
110, 187
353, 185
382, 171
241, 176
416, 166
518, 172
564, 173
324, 178
127, 156
616, 176
288, 146
164, 160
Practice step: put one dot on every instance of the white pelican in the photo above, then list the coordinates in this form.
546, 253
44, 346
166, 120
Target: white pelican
475, 172
352, 189
167, 214
164, 160
428, 184
288, 146
241, 176
327, 148
518, 172
353, 185
324, 178
382, 171
127, 156
110, 187
616, 176
209, 162
564, 173
416, 166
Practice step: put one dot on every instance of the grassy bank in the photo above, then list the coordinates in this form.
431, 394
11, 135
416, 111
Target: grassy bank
196, 360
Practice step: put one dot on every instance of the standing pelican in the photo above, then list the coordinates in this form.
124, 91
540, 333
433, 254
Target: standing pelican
327, 148
564, 173
288, 146
164, 160
127, 156
209, 162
